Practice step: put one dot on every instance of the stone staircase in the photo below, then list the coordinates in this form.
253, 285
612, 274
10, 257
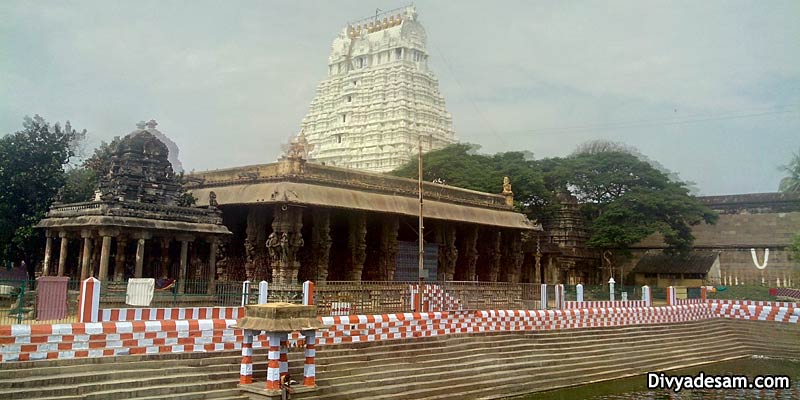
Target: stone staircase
466, 366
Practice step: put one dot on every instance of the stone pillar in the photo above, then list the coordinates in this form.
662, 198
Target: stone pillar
515, 257
309, 366
94, 269
165, 261
119, 260
284, 242
251, 244
321, 242
496, 256
140, 243
48, 249
357, 245
105, 253
212, 266
184, 257
62, 254
388, 250
537, 267
466, 264
86, 256
448, 253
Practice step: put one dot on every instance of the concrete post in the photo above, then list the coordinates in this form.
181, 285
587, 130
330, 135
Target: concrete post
62, 254
309, 366
89, 301
559, 296
48, 248
543, 299
284, 362
263, 292
105, 253
246, 369
646, 296
308, 293
245, 293
137, 273
611, 283
671, 296
87, 254
579, 292
273, 363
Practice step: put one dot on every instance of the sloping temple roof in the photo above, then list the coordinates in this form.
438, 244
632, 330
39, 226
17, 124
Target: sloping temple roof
339, 188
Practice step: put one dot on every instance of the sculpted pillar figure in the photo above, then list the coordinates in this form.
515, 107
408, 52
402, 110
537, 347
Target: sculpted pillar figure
515, 256
250, 243
357, 244
448, 253
388, 250
465, 270
284, 242
321, 242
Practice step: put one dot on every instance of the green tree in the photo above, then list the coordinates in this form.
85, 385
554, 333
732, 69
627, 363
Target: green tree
794, 249
791, 183
625, 199
461, 165
79, 185
32, 163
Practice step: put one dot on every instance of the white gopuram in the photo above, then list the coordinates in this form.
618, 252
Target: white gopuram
380, 99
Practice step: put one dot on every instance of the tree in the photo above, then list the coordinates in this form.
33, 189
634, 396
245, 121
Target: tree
32, 165
79, 185
460, 165
791, 183
625, 199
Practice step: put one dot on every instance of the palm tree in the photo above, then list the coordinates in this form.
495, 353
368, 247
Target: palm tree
791, 183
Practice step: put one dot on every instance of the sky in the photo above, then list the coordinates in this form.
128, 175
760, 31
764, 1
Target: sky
711, 89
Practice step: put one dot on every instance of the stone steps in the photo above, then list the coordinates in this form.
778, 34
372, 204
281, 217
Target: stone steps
449, 374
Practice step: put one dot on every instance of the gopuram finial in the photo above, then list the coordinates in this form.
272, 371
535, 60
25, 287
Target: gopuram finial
140, 125
152, 124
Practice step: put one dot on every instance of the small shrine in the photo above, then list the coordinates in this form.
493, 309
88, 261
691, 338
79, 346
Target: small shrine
136, 222
277, 321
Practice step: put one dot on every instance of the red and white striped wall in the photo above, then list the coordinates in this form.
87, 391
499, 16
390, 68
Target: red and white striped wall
604, 304
167, 314
777, 311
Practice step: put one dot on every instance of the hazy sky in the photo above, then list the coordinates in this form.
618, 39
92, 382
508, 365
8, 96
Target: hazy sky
709, 89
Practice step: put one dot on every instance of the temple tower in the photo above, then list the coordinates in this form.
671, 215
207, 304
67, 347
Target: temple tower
379, 98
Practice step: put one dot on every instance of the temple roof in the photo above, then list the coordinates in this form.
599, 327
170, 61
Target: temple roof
326, 186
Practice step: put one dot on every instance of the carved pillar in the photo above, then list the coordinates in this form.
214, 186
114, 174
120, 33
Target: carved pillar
388, 251
537, 268
140, 243
48, 249
120, 258
515, 257
212, 265
182, 276
94, 268
466, 264
284, 242
321, 242
165, 261
250, 243
495, 255
357, 245
86, 255
105, 253
62, 254
448, 253
261, 262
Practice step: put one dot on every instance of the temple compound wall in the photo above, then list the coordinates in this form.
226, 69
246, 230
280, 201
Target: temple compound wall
751, 237
294, 221
380, 99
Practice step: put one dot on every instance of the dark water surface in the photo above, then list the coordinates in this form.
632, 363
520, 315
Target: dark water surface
636, 387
